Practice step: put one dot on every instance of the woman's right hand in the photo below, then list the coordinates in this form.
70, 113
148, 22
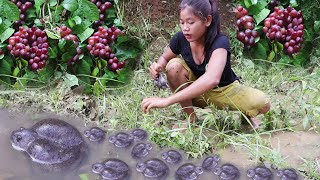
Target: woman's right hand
154, 69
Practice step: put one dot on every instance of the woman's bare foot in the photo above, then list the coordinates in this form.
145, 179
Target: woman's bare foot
255, 122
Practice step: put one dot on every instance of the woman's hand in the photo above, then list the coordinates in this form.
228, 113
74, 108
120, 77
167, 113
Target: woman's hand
154, 69
154, 102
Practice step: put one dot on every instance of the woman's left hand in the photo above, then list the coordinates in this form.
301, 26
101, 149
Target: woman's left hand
154, 102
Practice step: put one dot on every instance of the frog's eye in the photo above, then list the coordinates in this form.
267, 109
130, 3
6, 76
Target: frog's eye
149, 146
18, 138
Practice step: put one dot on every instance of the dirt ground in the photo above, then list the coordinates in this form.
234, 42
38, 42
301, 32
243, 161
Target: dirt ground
164, 14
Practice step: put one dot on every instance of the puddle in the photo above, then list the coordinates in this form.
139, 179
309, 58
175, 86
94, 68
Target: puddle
16, 166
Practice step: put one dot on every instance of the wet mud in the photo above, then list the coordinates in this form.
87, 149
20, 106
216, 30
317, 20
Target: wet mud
15, 165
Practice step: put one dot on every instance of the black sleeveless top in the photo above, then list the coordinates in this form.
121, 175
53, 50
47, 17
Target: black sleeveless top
180, 45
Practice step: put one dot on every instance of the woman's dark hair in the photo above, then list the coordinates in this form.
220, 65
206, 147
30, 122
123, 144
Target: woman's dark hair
202, 9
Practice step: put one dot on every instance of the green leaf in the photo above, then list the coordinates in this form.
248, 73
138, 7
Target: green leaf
316, 26
293, 3
86, 34
80, 28
74, 21
279, 46
53, 2
256, 8
262, 15
57, 13
37, 22
62, 43
46, 73
271, 56
301, 58
84, 67
37, 5
247, 3
53, 52
6, 34
66, 56
51, 34
87, 10
9, 11
70, 5
285, 59
98, 89
31, 13
254, 2
123, 75
259, 51
117, 22
77, 19
84, 176
70, 80
5, 69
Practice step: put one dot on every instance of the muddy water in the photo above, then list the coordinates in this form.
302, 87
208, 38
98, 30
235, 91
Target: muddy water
14, 165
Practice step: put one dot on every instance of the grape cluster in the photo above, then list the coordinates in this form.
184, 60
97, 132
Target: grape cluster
65, 33
23, 6
295, 30
102, 6
99, 46
285, 26
245, 27
30, 44
274, 26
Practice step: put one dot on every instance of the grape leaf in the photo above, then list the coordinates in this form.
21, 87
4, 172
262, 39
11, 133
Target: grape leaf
83, 68
86, 34
87, 10
262, 15
293, 3
317, 26
66, 56
53, 2
5, 69
256, 9
6, 34
70, 80
37, 5
46, 73
80, 28
247, 3
285, 59
53, 52
70, 5
9, 10
301, 58
98, 88
271, 56
52, 35
260, 51
254, 2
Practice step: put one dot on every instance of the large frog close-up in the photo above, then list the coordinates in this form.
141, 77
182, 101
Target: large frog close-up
52, 144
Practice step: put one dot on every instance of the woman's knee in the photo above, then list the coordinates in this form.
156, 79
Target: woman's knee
175, 70
265, 108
